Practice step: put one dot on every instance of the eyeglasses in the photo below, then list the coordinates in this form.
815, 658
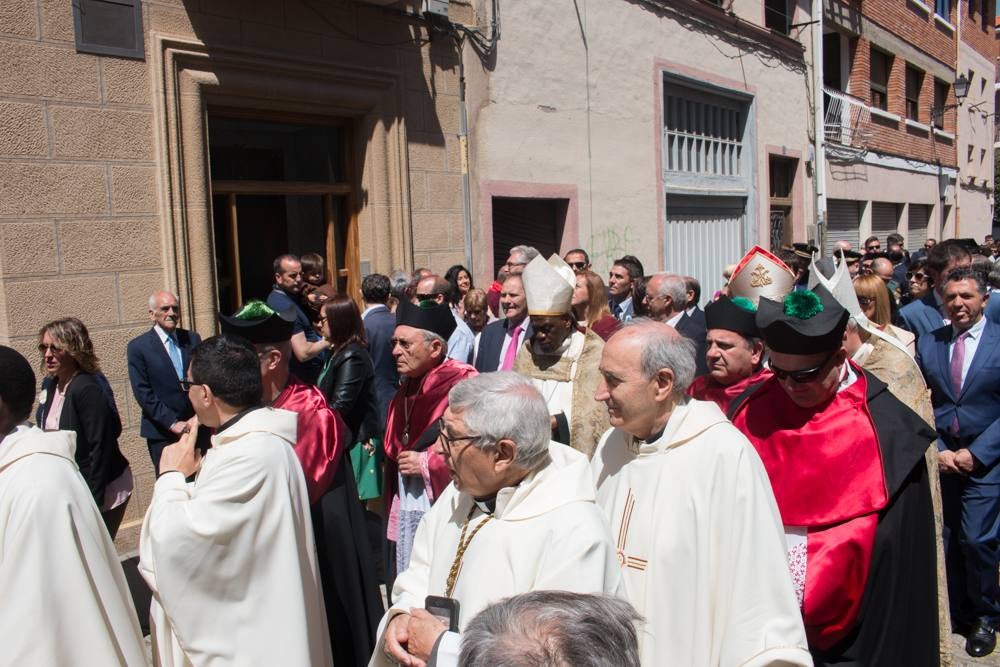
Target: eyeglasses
447, 440
919, 276
516, 264
577, 266
805, 375
187, 384
45, 347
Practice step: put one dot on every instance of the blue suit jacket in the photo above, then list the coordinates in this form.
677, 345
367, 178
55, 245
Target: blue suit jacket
380, 325
697, 333
978, 404
491, 342
155, 384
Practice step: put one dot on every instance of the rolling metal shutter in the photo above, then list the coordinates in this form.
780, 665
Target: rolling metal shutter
885, 220
918, 219
703, 236
842, 221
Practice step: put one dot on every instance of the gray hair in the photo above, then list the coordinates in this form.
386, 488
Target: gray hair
553, 628
525, 252
399, 282
430, 337
503, 405
660, 351
672, 285
152, 297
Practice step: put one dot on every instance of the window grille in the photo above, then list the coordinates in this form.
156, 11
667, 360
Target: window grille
704, 135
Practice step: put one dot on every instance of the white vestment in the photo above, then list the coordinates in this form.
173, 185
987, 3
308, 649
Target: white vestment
63, 596
701, 544
546, 534
230, 557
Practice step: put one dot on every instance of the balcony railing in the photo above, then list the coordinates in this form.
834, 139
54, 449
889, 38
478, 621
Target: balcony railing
848, 120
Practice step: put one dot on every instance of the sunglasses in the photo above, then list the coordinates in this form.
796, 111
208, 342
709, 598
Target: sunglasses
805, 375
918, 276
43, 348
426, 297
578, 266
865, 301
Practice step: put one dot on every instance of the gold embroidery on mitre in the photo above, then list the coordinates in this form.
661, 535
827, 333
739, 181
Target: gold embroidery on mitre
760, 276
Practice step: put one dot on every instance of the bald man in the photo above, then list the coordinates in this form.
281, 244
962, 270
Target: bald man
700, 540
462, 342
157, 360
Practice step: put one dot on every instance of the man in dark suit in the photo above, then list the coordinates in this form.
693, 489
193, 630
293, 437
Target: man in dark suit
156, 363
925, 315
498, 344
691, 307
960, 362
666, 300
380, 324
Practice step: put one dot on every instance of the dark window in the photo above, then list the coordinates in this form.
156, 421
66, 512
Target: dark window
776, 16
940, 99
914, 81
782, 175
880, 64
943, 9
109, 27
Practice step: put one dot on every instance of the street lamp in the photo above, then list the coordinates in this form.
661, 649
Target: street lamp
961, 88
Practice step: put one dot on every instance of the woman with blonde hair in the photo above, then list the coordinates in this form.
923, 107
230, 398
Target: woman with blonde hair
590, 305
76, 397
873, 297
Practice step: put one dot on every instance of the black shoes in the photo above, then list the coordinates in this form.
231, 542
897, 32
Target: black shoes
981, 640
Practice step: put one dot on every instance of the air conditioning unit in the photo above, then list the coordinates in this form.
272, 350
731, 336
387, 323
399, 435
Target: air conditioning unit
438, 8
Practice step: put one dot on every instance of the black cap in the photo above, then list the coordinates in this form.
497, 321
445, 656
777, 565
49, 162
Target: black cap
733, 315
806, 322
850, 256
259, 323
804, 250
429, 316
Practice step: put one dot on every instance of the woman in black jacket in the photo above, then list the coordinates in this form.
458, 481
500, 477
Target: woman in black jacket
76, 397
348, 384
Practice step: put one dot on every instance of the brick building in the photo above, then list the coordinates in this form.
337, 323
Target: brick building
904, 152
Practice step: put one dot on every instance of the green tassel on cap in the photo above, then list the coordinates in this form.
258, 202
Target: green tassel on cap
803, 305
744, 303
254, 310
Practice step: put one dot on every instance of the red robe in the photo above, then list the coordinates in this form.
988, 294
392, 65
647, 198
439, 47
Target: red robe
321, 434
704, 388
429, 403
826, 470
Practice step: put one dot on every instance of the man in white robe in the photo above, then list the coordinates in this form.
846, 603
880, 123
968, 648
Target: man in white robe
699, 537
230, 557
63, 597
524, 506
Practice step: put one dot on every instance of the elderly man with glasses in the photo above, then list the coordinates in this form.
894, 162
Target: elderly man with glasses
846, 462
519, 516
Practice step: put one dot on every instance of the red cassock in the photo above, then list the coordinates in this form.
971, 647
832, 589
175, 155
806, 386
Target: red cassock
429, 403
704, 388
321, 433
826, 470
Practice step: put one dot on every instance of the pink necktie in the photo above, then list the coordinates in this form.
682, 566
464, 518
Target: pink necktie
508, 358
955, 368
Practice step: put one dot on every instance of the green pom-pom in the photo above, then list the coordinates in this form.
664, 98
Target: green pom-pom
427, 303
744, 303
254, 310
803, 305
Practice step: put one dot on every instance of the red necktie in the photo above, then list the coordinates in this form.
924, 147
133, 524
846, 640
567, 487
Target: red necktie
508, 358
955, 368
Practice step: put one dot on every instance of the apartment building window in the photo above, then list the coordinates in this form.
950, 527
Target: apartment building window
914, 81
777, 17
943, 9
704, 133
940, 99
880, 66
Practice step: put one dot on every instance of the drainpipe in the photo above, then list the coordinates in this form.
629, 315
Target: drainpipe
463, 150
958, 120
819, 133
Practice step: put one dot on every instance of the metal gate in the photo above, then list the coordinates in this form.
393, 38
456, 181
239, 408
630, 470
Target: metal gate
885, 220
703, 236
843, 219
918, 219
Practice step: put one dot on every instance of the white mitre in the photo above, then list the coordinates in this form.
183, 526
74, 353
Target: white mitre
548, 286
841, 287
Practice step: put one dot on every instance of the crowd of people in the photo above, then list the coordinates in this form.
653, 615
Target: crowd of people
562, 470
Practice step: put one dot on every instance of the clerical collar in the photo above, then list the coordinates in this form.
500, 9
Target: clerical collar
486, 505
235, 418
653, 437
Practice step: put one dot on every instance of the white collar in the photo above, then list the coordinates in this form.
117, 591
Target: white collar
975, 331
163, 334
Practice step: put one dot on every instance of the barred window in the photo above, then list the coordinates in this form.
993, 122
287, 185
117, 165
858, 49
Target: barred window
704, 133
